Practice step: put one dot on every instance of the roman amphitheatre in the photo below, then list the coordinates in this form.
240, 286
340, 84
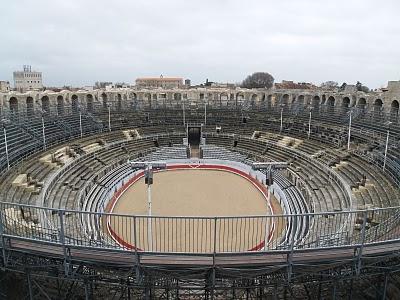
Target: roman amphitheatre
210, 193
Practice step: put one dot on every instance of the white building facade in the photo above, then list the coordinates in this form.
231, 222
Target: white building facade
27, 80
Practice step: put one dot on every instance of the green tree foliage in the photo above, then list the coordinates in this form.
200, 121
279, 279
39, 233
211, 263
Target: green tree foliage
258, 80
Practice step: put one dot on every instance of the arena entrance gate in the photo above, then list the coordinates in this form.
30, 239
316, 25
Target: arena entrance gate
194, 134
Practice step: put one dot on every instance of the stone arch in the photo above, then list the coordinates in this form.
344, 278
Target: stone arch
13, 104
394, 110
147, 98
378, 104
45, 104
224, 97
331, 101
285, 99
316, 102
240, 96
323, 100
330, 104
119, 102
362, 103
104, 100
239, 99
263, 102
29, 106
89, 103
74, 103
177, 96
253, 100
346, 102
300, 100
269, 101
60, 105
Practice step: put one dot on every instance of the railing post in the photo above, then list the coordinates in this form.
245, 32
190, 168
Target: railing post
137, 258
290, 255
3, 243
62, 240
361, 247
214, 254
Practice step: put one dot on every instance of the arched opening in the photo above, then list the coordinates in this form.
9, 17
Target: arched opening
253, 100
285, 99
133, 98
394, 110
316, 102
263, 101
299, 103
330, 103
346, 102
45, 104
119, 102
239, 99
60, 105
323, 100
300, 99
378, 104
361, 103
104, 100
29, 106
269, 101
177, 96
148, 98
13, 105
89, 103
74, 104
223, 97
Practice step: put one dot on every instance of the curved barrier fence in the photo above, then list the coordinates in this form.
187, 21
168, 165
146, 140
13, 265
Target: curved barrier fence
199, 235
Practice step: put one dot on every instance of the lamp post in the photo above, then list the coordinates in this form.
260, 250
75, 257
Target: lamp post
80, 121
3, 123
109, 117
183, 108
309, 122
149, 168
349, 134
270, 167
387, 144
281, 128
205, 109
43, 131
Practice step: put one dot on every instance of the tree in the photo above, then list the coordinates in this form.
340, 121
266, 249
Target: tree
258, 80
362, 88
329, 85
343, 86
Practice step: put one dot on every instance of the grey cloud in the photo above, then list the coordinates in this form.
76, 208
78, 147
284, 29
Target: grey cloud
79, 42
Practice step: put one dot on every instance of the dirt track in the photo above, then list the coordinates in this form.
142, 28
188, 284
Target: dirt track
194, 193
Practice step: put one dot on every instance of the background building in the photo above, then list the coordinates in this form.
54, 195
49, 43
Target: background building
27, 79
159, 82
4, 86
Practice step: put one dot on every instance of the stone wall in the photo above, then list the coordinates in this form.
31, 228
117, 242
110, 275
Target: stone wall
387, 101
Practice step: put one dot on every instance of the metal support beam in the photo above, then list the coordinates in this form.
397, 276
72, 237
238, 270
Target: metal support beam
28, 276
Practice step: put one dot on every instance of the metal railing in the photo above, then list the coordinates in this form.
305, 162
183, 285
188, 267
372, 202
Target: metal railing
198, 235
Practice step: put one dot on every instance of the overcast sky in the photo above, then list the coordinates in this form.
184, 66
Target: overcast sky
78, 42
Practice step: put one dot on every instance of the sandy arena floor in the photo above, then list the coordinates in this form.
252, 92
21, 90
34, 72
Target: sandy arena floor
197, 193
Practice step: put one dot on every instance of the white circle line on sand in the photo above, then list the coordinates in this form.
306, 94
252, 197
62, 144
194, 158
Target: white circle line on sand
215, 167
